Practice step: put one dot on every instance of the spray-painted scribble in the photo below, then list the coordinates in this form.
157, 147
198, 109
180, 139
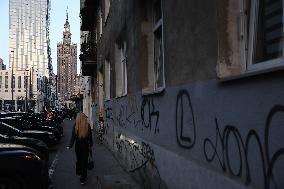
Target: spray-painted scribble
141, 160
219, 149
185, 124
248, 154
124, 116
149, 115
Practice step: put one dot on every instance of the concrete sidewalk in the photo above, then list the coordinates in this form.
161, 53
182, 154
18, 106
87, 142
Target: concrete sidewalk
107, 173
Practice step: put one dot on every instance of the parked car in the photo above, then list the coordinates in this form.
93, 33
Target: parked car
38, 118
46, 137
36, 144
22, 168
23, 124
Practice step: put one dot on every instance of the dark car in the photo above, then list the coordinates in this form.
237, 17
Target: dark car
36, 144
22, 168
46, 121
47, 137
39, 119
23, 124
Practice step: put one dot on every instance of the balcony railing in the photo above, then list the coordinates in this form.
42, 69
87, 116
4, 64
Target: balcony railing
89, 52
88, 57
88, 12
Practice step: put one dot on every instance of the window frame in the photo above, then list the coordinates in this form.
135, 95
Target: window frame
19, 82
107, 79
248, 41
107, 4
6, 82
152, 87
121, 69
156, 26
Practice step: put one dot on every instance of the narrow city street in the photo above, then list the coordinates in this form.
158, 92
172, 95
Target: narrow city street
107, 173
177, 94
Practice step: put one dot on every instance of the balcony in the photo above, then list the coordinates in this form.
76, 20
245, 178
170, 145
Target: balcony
88, 57
88, 14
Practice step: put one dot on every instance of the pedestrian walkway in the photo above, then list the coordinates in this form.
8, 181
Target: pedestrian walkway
107, 173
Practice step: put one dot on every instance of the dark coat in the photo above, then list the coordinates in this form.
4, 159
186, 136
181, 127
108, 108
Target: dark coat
82, 149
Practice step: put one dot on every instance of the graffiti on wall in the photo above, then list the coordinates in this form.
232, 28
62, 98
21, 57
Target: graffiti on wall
185, 124
246, 154
229, 148
141, 160
128, 115
150, 115
219, 149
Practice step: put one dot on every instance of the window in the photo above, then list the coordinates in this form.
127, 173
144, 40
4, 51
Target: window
25, 82
257, 45
152, 30
107, 6
13, 82
100, 24
6, 82
19, 82
158, 47
107, 80
0, 81
120, 69
264, 33
38, 84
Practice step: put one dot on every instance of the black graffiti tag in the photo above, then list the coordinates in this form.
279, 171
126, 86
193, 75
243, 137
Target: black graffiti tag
185, 125
148, 113
219, 149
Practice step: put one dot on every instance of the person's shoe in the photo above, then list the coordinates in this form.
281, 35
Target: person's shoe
83, 182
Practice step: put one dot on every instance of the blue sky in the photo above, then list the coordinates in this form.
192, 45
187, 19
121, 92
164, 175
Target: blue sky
57, 20
4, 30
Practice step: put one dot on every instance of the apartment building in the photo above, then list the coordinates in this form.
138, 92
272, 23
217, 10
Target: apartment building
189, 94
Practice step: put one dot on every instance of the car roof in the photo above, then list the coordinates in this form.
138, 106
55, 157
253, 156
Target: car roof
8, 148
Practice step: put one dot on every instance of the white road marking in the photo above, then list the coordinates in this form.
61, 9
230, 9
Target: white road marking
53, 165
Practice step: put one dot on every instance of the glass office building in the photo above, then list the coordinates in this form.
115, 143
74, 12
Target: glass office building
29, 35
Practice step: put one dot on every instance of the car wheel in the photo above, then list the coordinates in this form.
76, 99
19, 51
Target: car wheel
9, 183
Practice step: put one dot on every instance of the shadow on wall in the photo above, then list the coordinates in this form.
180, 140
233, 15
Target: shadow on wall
254, 156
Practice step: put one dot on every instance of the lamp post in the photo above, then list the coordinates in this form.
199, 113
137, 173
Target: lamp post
12, 78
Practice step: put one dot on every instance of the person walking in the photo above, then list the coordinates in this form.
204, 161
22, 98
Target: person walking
82, 137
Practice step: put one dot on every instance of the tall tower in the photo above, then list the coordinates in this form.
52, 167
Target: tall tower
66, 63
29, 35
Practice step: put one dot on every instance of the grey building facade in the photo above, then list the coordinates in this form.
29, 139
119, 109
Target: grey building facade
189, 94
66, 64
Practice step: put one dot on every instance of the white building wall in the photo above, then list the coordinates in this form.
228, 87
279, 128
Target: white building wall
87, 98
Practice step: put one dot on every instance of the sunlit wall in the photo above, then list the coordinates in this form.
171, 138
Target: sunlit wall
28, 35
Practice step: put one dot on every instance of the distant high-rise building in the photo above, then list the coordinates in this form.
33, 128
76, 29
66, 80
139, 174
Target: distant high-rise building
29, 35
66, 64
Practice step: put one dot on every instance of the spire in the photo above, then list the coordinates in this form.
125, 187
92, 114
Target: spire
67, 14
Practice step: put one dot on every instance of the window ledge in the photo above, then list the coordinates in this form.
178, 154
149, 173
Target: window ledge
148, 91
107, 99
117, 97
252, 73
